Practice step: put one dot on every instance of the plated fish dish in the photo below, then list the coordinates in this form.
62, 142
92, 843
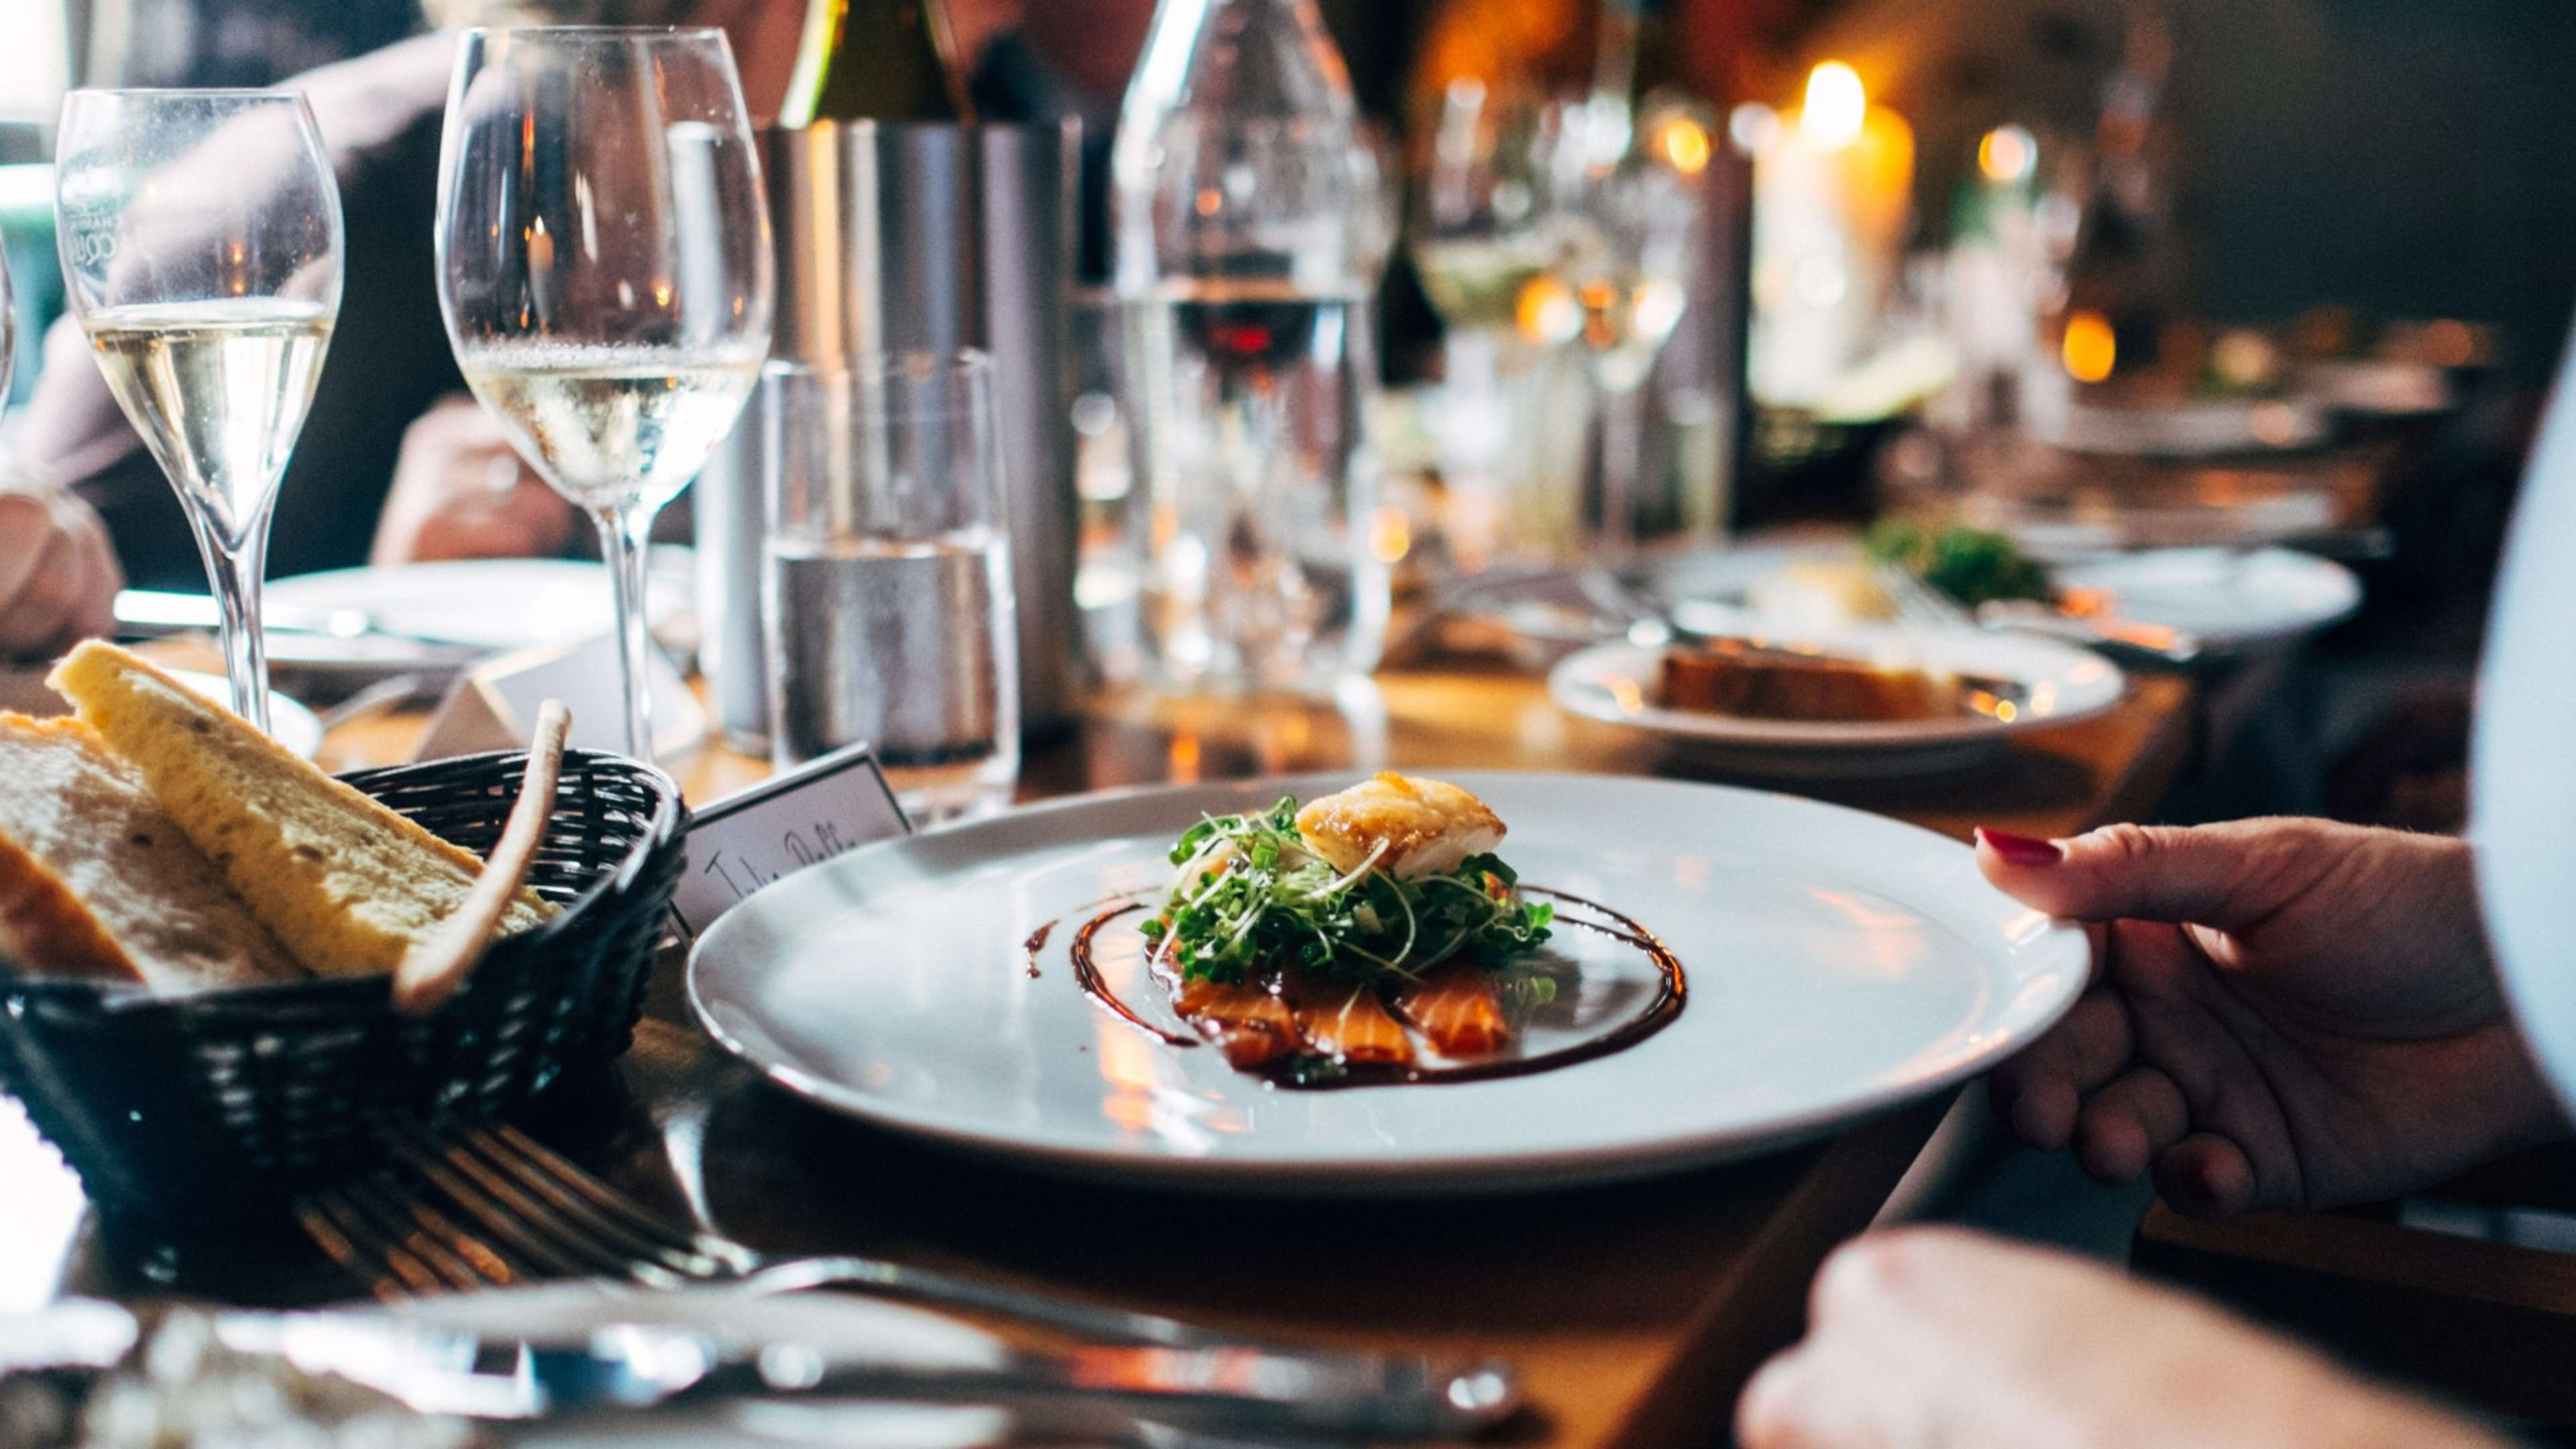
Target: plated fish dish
1370, 936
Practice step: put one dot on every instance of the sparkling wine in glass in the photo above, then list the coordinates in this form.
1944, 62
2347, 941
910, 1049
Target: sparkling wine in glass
604, 268
200, 240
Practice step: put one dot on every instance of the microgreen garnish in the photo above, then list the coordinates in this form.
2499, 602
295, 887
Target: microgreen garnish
1250, 897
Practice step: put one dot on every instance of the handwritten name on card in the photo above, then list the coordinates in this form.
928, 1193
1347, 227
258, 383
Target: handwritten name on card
780, 826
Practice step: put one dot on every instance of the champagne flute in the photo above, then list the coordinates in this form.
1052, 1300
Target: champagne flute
200, 240
604, 268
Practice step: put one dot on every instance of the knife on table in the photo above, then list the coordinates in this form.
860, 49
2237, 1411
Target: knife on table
566, 1349
150, 613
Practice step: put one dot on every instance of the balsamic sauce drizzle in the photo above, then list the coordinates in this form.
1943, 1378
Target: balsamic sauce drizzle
1319, 1074
1086, 973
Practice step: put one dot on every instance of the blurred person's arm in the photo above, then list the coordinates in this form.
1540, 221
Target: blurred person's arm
1926, 1338
460, 491
58, 576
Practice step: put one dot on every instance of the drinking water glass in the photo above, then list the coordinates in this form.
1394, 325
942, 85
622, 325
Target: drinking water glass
886, 577
200, 239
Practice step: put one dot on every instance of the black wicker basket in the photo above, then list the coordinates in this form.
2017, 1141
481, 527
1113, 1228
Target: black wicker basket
225, 1102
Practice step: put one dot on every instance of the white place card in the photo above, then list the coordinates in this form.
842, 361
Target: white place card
494, 705
780, 826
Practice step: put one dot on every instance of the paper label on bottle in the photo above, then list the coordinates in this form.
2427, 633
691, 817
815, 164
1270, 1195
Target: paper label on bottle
798, 818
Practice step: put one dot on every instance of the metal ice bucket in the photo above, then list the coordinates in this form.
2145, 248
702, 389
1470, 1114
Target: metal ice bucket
904, 237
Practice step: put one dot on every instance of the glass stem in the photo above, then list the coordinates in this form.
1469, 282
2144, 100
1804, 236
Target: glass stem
623, 535
236, 570
1623, 440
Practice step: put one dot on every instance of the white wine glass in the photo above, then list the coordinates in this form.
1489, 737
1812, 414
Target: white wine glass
1494, 174
1626, 276
200, 240
604, 267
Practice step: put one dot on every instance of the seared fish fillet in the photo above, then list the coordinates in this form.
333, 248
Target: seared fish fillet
1416, 827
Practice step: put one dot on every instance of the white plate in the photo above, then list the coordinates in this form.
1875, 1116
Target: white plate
2205, 428
1837, 963
499, 603
2231, 598
1615, 683
289, 723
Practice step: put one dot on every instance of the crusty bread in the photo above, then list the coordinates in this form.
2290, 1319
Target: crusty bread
348, 885
97, 880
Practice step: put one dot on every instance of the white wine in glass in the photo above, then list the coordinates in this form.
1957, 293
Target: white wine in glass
200, 240
619, 427
604, 268
218, 389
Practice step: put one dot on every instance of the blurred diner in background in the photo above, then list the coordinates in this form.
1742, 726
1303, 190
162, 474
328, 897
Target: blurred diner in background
2023, 535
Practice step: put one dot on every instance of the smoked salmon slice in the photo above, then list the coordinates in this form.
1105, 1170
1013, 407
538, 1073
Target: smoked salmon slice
1346, 1020
1457, 1010
1251, 1026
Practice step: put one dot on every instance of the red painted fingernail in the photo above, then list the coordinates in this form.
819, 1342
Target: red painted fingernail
2021, 849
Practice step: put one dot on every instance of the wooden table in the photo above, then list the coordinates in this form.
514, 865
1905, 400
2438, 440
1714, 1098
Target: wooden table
1634, 1312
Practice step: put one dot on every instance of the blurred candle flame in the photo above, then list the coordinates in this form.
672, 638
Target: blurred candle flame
1837, 106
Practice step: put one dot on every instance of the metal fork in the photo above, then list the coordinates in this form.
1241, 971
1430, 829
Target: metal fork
528, 1213
1918, 603
1925, 607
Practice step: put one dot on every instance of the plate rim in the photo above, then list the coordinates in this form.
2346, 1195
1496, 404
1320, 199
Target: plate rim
1444, 1175
2350, 592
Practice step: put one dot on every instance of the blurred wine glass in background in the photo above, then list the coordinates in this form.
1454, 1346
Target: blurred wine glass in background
1242, 262
1626, 270
1488, 220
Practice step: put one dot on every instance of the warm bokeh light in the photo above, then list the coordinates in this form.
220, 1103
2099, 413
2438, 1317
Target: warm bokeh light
2245, 358
2450, 343
1752, 126
2090, 350
2276, 423
1548, 312
2007, 155
1837, 106
1684, 143
1390, 535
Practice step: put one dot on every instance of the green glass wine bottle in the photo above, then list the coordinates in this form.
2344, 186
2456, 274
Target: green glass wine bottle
875, 60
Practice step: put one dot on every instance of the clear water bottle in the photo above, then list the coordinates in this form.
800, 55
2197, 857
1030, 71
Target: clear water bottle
1247, 367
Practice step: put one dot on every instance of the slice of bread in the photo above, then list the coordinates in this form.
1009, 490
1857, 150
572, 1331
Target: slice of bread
97, 880
347, 884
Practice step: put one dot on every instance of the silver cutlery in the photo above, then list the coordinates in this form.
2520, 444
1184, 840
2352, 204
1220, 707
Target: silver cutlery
496, 1207
1925, 607
153, 612
564, 1349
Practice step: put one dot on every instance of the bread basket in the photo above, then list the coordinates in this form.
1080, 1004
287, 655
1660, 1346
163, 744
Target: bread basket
225, 1102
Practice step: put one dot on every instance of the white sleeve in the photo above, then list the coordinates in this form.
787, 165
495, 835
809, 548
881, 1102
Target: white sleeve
2523, 764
